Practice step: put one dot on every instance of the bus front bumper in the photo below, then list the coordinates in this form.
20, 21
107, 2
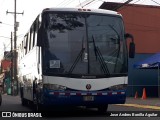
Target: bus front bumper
99, 98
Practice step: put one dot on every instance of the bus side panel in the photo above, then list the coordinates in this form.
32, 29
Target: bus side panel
29, 72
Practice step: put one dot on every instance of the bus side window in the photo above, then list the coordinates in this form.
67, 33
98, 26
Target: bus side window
22, 49
30, 39
34, 32
26, 43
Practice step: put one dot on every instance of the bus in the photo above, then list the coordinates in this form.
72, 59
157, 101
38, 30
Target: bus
75, 57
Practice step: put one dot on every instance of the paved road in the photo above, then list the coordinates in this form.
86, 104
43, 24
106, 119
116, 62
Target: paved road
13, 103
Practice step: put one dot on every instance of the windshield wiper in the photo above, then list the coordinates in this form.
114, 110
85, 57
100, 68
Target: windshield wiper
100, 58
76, 61
77, 58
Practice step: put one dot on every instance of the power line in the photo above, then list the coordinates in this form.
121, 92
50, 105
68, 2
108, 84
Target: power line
102, 0
93, 3
142, 1
143, 12
67, 3
136, 1
61, 3
155, 2
80, 3
122, 5
6, 23
85, 3
5, 47
88, 3
5, 37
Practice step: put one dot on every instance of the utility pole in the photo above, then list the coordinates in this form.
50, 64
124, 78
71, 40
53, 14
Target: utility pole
15, 45
12, 64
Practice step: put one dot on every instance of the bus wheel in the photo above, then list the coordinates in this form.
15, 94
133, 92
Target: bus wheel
24, 102
0, 99
102, 109
38, 107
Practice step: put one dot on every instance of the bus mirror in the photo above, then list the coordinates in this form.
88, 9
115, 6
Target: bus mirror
131, 50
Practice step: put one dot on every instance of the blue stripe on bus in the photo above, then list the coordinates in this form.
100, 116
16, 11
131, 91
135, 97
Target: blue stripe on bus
72, 98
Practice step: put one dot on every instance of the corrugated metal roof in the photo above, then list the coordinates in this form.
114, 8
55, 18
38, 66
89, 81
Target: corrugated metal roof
111, 5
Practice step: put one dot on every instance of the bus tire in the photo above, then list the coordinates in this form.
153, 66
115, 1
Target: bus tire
36, 104
0, 99
38, 107
21, 95
24, 101
102, 109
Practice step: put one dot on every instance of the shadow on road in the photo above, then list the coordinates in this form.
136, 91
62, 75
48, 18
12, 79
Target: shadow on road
63, 112
80, 113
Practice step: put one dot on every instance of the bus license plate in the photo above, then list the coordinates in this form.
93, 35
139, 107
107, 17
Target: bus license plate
88, 98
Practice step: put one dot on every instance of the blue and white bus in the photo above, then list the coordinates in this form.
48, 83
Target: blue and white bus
74, 57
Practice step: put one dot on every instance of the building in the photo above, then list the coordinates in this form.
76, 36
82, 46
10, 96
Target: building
5, 73
143, 22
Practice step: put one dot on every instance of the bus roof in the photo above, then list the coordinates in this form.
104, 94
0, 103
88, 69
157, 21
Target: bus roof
83, 10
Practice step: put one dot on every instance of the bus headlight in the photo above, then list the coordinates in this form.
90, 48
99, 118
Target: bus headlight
118, 87
54, 87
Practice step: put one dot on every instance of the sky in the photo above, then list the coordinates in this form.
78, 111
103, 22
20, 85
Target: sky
32, 8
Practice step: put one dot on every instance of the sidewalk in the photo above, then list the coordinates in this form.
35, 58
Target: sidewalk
147, 101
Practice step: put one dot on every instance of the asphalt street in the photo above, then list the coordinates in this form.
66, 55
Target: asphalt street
115, 112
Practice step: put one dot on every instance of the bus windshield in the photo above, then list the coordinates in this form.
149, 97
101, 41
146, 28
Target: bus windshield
84, 44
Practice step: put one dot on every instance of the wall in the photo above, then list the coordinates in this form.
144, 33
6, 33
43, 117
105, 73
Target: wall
142, 78
143, 22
